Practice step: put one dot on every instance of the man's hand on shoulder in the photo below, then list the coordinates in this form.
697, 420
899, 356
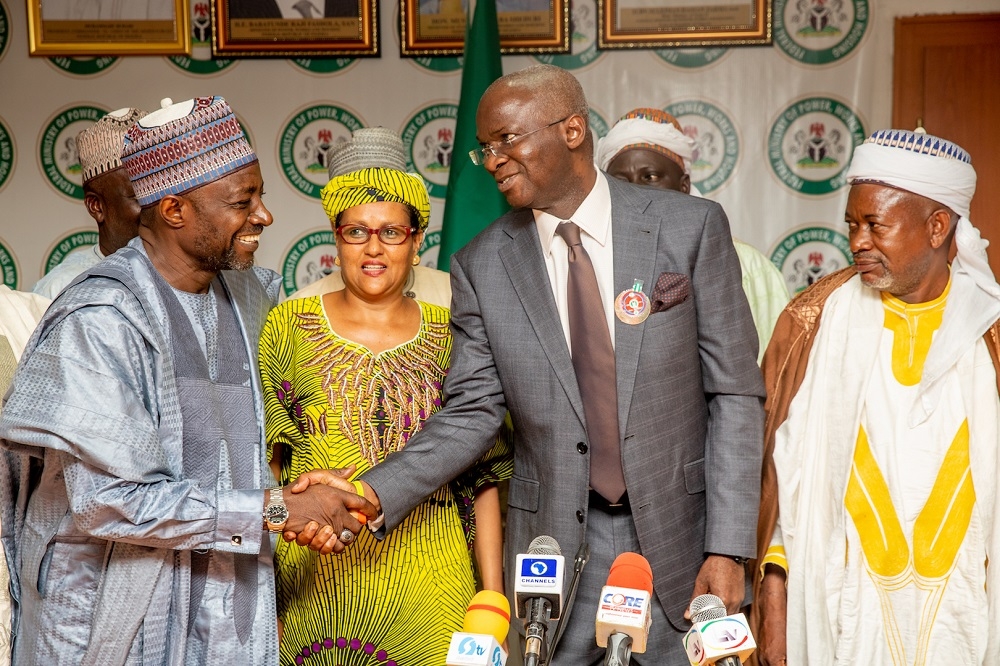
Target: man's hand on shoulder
725, 578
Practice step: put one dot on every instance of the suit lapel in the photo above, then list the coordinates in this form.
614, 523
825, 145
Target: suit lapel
522, 258
635, 240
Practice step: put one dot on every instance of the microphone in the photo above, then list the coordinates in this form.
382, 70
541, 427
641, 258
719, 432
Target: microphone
623, 617
483, 630
538, 589
715, 637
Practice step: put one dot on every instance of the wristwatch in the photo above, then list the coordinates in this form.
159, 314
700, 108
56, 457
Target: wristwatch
735, 558
275, 513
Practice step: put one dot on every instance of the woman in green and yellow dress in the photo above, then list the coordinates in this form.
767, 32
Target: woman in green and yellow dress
348, 378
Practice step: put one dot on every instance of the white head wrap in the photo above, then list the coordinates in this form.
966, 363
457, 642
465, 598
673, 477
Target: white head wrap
934, 168
649, 127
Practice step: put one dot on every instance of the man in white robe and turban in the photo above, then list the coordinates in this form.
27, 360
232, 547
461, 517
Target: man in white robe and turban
648, 147
879, 525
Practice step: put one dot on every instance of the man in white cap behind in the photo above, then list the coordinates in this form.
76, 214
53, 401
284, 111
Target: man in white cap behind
19, 313
380, 147
879, 532
107, 194
647, 147
133, 507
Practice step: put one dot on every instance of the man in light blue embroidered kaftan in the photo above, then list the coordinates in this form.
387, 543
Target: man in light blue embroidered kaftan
132, 496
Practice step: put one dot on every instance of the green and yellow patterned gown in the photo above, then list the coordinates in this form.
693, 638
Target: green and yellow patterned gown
332, 403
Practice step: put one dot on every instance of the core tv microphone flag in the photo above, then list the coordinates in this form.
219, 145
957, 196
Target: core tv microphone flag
483, 632
623, 617
538, 588
716, 638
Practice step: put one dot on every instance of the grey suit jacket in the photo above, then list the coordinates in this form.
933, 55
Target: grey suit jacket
690, 394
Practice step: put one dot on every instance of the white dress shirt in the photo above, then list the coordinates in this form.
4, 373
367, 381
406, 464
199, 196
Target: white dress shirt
594, 219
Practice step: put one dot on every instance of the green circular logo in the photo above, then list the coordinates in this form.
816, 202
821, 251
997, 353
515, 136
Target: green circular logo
4, 29
7, 154
810, 252
428, 138
83, 66
305, 144
200, 62
57, 153
439, 64
598, 125
583, 39
691, 58
430, 248
77, 241
811, 143
818, 32
309, 258
323, 65
716, 142
8, 266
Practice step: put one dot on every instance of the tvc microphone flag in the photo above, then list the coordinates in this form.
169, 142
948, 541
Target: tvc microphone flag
473, 200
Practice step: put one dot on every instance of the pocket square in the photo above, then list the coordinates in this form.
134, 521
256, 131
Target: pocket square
669, 290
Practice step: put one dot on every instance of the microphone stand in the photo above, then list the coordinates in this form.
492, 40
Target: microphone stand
619, 650
539, 611
582, 556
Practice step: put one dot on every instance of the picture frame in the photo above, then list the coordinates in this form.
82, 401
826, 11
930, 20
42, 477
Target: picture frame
437, 27
655, 24
281, 28
108, 28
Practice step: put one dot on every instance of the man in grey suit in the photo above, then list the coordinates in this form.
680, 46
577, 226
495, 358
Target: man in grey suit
682, 482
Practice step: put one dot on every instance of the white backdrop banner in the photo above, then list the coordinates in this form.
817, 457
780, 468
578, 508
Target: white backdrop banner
775, 126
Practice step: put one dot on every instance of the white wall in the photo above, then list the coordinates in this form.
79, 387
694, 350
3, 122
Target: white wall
751, 86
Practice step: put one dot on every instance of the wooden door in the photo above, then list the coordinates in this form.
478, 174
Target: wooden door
947, 75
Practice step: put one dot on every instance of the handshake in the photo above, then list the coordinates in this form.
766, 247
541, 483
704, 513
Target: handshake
326, 510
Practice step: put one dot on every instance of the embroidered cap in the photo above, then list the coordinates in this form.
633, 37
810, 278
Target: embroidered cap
919, 141
184, 146
916, 162
368, 147
100, 145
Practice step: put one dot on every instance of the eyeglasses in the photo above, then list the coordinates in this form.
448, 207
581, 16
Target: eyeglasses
497, 148
358, 234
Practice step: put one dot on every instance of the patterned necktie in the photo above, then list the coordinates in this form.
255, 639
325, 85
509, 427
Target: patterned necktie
304, 7
8, 364
594, 363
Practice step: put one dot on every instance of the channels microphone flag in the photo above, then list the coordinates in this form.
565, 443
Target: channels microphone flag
538, 588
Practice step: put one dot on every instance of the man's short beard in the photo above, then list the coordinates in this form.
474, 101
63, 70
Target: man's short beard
227, 261
902, 283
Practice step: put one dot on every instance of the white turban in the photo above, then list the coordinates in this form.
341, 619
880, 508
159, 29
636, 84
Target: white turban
651, 128
933, 168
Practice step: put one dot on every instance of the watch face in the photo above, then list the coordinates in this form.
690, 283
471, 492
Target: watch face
275, 514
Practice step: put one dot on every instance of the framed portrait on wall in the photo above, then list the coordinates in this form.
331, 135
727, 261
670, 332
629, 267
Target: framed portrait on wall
437, 27
108, 27
655, 24
282, 28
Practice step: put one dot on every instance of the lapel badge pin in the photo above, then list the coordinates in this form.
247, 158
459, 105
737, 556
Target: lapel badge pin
632, 306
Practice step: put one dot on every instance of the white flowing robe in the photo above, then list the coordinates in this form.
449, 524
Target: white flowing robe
815, 446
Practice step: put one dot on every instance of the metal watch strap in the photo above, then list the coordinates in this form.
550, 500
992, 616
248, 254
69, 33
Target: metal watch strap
276, 498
